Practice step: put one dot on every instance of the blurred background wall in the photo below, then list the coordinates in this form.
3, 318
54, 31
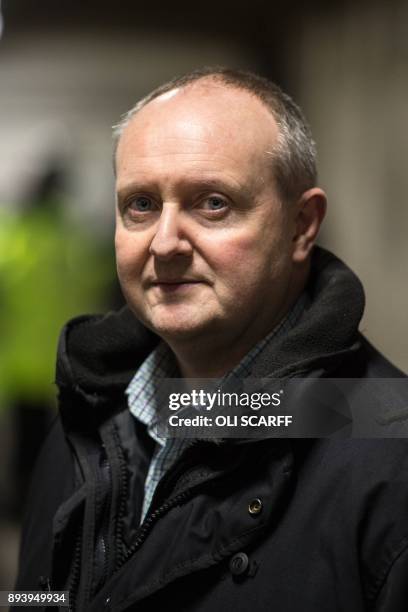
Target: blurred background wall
67, 73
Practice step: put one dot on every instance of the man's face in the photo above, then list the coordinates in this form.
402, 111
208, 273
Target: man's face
203, 243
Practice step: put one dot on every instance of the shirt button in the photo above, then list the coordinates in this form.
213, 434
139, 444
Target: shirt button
239, 564
107, 602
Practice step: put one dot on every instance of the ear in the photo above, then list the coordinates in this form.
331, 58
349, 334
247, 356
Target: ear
310, 210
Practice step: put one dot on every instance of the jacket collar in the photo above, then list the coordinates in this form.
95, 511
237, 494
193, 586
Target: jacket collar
327, 331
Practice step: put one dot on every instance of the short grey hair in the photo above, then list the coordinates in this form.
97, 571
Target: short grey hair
294, 155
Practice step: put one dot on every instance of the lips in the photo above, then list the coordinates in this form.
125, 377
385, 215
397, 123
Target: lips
175, 285
169, 280
182, 281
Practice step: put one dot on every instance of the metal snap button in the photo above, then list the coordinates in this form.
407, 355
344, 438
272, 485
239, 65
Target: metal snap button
255, 506
239, 564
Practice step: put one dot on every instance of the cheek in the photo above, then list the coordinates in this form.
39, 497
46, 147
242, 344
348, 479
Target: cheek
247, 262
234, 251
129, 256
236, 259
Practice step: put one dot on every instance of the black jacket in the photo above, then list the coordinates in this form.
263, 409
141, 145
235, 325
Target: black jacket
330, 527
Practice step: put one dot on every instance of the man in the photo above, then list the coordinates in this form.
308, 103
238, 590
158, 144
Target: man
218, 210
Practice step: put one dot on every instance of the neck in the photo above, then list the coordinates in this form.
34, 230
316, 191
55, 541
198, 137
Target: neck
204, 361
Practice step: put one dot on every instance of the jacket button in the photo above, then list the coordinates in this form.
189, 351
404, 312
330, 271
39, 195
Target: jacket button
239, 564
107, 602
255, 506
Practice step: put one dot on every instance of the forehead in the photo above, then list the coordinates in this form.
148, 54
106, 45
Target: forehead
204, 125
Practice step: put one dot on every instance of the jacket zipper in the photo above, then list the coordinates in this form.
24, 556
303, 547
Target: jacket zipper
152, 518
149, 522
123, 489
103, 532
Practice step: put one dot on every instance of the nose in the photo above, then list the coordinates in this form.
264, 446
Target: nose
169, 239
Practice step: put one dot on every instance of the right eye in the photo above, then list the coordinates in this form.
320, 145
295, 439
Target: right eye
141, 204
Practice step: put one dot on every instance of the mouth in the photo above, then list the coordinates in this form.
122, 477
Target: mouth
172, 286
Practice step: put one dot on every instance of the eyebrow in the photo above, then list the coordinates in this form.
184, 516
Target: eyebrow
217, 184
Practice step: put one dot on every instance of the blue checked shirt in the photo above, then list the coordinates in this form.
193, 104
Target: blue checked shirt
161, 363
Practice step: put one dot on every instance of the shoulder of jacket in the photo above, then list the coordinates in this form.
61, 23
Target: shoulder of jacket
374, 364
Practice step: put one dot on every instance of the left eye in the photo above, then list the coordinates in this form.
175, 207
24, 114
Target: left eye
214, 203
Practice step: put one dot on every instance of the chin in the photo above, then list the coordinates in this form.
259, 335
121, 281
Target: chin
181, 330
178, 327
177, 323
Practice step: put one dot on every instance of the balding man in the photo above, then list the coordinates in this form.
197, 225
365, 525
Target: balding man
217, 214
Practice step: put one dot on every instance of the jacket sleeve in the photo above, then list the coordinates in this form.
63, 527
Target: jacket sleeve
393, 595
52, 480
